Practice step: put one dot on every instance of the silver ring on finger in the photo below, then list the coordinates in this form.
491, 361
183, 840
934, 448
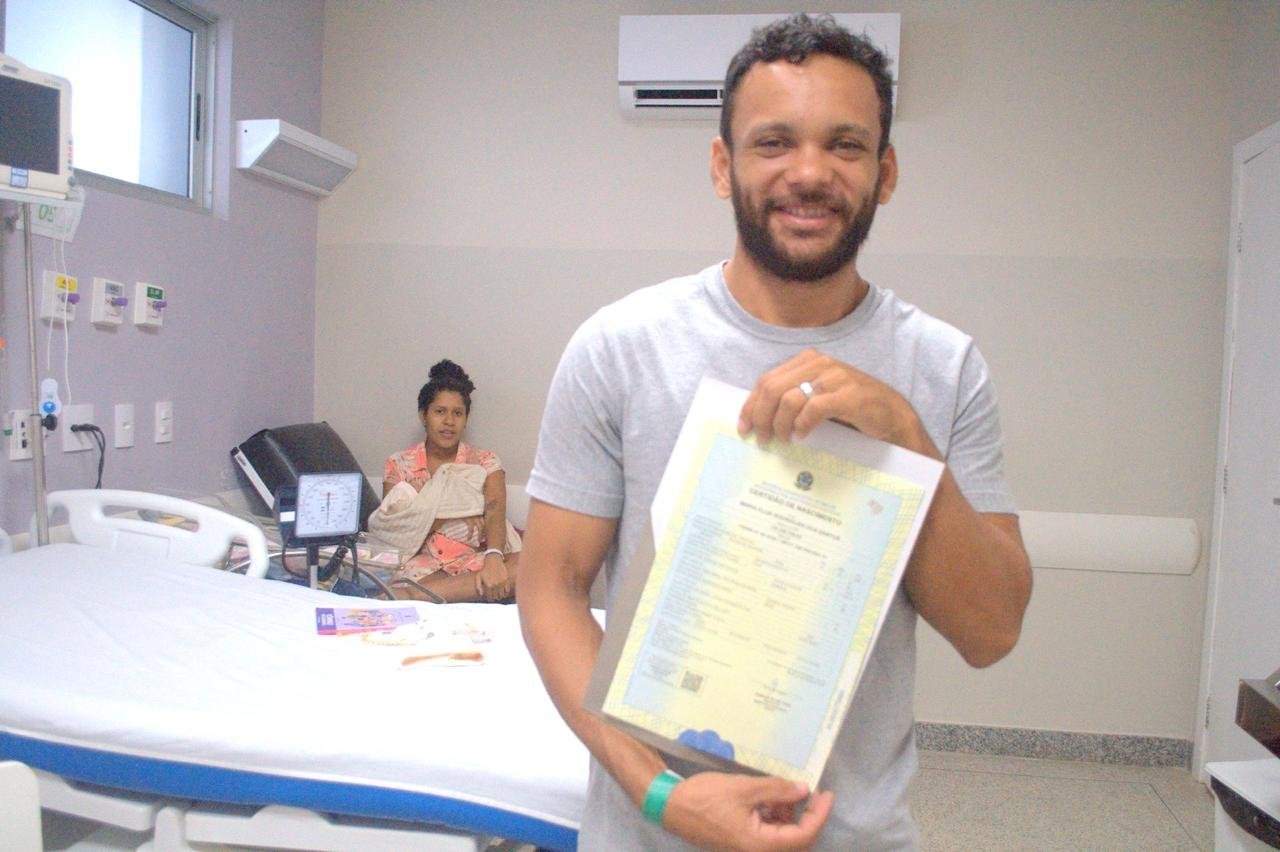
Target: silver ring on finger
807, 389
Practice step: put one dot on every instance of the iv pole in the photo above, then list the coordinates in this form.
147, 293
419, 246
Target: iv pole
20, 192
35, 421
35, 424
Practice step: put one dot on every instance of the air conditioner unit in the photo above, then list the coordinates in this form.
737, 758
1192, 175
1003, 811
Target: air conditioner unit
291, 155
672, 66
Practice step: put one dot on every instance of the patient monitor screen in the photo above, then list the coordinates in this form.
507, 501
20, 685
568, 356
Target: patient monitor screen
28, 125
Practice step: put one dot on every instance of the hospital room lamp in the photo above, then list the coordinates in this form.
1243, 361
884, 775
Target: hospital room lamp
278, 150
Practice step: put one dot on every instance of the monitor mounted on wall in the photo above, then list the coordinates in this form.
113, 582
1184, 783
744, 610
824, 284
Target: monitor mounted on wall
35, 131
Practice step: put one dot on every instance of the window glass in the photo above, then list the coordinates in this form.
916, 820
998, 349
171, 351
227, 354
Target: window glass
132, 94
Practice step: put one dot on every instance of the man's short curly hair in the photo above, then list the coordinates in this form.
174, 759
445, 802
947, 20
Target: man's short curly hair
797, 38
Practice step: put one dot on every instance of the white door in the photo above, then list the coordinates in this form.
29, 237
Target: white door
1243, 619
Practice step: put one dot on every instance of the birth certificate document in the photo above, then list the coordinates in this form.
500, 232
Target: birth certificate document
771, 573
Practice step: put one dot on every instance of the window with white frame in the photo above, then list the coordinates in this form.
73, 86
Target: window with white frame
138, 72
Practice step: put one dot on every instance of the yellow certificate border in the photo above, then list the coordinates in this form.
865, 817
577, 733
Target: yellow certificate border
911, 496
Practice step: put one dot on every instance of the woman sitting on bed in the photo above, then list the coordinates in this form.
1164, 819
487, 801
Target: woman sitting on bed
444, 502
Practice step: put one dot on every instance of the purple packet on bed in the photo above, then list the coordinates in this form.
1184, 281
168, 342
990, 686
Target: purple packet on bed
339, 621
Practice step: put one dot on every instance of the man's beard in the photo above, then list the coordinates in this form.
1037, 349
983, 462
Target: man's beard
753, 230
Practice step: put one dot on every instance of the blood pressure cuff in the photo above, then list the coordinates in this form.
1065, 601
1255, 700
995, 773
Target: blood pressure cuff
272, 458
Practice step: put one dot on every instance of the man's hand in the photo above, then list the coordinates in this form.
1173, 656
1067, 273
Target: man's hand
493, 581
715, 810
969, 575
778, 406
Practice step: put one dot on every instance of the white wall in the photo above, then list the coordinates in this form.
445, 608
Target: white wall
1064, 198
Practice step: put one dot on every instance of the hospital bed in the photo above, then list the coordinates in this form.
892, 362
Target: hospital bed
201, 707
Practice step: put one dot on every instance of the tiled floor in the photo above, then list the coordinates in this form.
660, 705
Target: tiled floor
968, 802
984, 803
981, 802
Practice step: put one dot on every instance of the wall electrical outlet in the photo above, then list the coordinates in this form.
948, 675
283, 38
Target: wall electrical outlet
58, 297
17, 431
107, 306
74, 442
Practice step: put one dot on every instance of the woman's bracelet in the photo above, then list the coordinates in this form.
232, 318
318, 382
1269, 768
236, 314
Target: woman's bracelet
655, 800
494, 550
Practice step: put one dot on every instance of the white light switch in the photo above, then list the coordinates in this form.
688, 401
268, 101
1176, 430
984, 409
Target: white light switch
124, 425
164, 422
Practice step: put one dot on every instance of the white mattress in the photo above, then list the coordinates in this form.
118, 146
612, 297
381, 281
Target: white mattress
190, 682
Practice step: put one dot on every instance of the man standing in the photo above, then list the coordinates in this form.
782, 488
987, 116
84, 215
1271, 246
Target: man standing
804, 156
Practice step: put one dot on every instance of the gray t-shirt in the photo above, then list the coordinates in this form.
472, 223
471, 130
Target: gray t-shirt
618, 399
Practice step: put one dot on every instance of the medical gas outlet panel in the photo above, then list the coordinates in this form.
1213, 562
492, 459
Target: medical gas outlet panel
109, 303
59, 297
148, 305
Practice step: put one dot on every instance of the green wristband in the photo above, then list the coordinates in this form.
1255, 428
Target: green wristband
655, 801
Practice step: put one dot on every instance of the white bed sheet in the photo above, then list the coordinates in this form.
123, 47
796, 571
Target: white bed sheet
151, 659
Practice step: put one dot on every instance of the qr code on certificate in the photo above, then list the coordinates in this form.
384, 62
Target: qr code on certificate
691, 681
